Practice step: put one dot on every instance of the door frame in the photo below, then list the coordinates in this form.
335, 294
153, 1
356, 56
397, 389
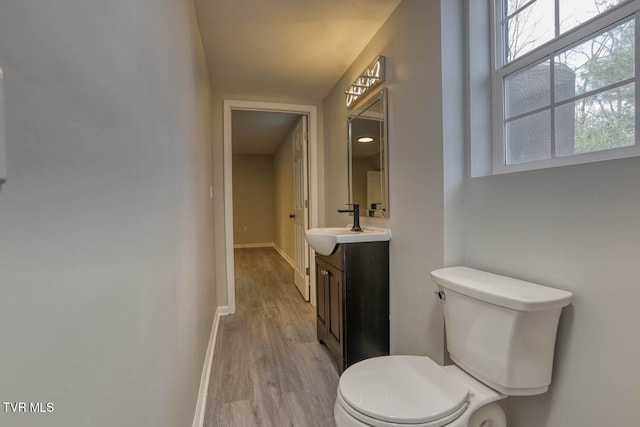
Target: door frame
311, 166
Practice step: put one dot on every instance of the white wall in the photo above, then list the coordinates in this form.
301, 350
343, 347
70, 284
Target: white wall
575, 228
105, 220
455, 133
410, 40
253, 199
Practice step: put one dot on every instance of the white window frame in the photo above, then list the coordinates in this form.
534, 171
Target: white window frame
544, 52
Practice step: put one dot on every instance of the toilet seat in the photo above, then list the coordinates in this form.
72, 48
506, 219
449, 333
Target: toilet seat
402, 390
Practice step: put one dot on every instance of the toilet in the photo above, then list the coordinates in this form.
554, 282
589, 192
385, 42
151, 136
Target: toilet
501, 337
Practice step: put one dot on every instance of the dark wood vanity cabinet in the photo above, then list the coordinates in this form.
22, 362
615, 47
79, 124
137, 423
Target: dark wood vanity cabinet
353, 302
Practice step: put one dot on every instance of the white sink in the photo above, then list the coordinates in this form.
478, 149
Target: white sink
324, 240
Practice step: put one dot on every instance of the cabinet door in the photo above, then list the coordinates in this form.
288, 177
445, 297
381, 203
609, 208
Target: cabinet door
322, 305
335, 282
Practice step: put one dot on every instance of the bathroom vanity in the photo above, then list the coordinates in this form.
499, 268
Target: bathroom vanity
353, 301
352, 263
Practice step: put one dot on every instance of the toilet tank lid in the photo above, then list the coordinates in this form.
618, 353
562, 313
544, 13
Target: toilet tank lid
501, 290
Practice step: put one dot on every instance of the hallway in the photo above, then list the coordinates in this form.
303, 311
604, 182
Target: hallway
268, 368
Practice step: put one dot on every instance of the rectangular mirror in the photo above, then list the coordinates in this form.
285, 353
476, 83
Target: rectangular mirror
368, 174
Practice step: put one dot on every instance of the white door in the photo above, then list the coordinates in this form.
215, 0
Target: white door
300, 206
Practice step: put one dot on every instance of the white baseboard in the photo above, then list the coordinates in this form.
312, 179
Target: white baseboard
201, 405
285, 256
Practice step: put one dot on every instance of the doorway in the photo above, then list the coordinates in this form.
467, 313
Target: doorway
309, 191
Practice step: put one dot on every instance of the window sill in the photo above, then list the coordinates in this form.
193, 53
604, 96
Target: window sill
576, 159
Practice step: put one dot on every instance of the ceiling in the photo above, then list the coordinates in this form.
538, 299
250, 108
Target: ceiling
294, 49
282, 49
259, 132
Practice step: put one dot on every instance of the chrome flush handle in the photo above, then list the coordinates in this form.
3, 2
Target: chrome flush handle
441, 295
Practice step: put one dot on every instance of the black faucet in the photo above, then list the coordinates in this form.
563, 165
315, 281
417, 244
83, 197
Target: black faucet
356, 215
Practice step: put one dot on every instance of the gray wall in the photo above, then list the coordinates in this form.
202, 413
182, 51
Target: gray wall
106, 242
410, 40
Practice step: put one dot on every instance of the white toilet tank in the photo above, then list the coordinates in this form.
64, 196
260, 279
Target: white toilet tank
501, 330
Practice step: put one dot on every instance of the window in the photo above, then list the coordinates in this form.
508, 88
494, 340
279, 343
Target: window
565, 77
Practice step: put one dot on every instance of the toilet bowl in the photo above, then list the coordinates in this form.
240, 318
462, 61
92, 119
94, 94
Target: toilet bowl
393, 391
500, 335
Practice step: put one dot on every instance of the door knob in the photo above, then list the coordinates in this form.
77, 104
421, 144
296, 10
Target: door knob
292, 215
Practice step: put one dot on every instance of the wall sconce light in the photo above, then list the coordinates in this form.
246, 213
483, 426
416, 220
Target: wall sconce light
370, 78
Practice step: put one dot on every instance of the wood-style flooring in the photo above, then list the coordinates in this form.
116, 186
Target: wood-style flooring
268, 368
